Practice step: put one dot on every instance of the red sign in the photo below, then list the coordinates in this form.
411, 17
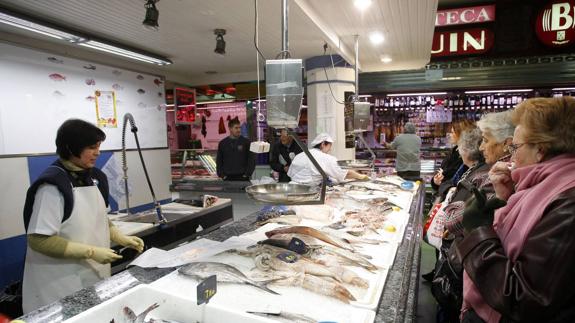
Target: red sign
462, 42
556, 22
185, 104
461, 16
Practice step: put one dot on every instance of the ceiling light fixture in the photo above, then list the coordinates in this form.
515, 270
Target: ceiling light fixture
362, 4
152, 14
563, 89
125, 52
416, 94
386, 59
376, 38
220, 42
498, 91
55, 31
15, 20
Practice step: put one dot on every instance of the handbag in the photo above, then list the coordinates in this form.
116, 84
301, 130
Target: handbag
447, 284
435, 224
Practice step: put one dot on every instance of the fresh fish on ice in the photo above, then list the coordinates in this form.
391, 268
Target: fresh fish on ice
131, 317
313, 233
57, 77
318, 248
225, 273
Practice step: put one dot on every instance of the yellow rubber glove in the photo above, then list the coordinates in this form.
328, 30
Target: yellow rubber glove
58, 247
124, 240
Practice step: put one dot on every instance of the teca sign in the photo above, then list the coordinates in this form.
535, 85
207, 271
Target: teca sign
555, 24
462, 42
460, 16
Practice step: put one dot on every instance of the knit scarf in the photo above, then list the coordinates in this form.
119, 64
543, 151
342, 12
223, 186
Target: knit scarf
536, 186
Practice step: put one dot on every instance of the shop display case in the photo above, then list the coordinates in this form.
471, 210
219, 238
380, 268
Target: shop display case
193, 164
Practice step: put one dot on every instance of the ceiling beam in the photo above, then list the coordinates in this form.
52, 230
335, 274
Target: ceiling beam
331, 37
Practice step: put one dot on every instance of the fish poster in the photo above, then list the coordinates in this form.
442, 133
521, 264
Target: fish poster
106, 109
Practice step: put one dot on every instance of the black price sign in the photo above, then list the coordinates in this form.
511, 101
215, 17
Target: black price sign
207, 289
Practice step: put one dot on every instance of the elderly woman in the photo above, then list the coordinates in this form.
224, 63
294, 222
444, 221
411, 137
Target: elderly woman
452, 164
518, 260
497, 131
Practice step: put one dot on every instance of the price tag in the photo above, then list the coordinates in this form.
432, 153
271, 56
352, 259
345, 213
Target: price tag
297, 246
206, 289
288, 257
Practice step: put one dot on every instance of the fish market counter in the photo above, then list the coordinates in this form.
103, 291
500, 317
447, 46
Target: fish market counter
397, 303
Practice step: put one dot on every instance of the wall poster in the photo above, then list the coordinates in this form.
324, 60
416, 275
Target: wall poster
106, 109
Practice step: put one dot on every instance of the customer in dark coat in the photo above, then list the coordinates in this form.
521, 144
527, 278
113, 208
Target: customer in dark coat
518, 259
452, 166
235, 161
282, 154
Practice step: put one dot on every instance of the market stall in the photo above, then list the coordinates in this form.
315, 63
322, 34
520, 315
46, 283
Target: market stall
385, 292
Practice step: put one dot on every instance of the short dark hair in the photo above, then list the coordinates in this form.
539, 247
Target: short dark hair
74, 135
233, 122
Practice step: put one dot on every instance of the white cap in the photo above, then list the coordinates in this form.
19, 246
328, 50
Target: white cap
321, 138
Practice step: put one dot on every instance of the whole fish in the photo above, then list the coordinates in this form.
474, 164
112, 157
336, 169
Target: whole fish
313, 233
57, 77
131, 317
286, 317
317, 247
267, 258
157, 82
349, 237
281, 219
141, 91
225, 273
271, 257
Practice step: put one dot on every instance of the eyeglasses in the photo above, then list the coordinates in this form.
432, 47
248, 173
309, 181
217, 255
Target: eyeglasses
514, 147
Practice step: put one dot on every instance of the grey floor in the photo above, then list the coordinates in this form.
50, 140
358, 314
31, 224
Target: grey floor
426, 305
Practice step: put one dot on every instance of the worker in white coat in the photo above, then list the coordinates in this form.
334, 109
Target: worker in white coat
302, 171
65, 216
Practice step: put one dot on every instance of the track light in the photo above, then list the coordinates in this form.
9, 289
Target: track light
55, 31
220, 42
152, 14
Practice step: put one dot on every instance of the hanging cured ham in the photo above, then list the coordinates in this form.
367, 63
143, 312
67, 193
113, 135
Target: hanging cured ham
221, 126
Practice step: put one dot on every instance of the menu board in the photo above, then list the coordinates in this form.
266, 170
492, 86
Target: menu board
185, 105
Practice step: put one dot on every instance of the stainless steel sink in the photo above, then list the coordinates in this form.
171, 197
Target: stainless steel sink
151, 217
